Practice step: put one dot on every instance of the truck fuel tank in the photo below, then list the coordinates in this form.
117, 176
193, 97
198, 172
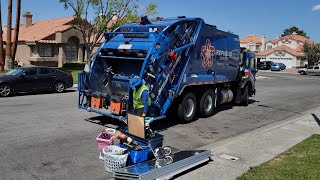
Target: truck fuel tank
225, 96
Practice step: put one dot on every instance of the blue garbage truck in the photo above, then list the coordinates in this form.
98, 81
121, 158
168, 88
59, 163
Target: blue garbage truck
189, 67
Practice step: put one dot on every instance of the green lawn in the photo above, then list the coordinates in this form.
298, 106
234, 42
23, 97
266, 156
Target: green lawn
300, 162
74, 74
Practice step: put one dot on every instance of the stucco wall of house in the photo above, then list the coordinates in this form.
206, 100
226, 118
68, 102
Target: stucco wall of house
23, 54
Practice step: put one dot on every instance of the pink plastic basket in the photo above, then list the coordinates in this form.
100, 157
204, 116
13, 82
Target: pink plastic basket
103, 142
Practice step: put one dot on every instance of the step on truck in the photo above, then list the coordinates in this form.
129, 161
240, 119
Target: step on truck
190, 68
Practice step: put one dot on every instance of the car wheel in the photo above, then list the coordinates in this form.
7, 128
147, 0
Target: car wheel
207, 104
5, 90
187, 108
303, 73
59, 87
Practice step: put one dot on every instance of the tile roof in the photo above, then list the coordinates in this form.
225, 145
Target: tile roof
293, 37
295, 52
43, 28
251, 39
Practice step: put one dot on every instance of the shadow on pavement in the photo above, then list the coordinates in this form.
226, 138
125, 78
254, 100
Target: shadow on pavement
316, 118
281, 109
159, 125
228, 106
106, 121
42, 93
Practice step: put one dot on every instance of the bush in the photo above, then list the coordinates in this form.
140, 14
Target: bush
73, 65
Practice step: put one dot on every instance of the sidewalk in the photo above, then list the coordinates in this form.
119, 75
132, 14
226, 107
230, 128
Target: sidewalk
255, 147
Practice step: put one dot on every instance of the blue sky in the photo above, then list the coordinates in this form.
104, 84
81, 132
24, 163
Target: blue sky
243, 17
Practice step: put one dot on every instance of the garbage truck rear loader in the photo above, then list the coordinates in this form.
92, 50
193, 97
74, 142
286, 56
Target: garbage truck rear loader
187, 65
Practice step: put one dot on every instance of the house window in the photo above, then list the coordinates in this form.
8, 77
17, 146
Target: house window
34, 51
45, 51
252, 47
269, 47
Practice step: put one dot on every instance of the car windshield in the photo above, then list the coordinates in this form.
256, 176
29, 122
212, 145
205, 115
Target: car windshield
14, 72
275, 64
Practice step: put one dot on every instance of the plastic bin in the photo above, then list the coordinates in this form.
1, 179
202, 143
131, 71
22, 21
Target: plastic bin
105, 141
113, 162
136, 157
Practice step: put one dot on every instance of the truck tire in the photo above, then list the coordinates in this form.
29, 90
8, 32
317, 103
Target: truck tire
207, 104
187, 108
245, 97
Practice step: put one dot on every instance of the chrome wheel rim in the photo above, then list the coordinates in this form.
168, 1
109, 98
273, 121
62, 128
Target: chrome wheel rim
59, 87
5, 90
208, 102
189, 108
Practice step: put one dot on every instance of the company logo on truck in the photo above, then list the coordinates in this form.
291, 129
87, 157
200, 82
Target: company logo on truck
207, 52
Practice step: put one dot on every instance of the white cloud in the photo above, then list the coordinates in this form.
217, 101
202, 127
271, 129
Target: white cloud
316, 8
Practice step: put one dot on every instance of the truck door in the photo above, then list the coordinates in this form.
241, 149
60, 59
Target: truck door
253, 66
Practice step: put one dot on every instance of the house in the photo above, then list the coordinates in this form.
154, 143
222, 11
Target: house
286, 50
253, 43
51, 42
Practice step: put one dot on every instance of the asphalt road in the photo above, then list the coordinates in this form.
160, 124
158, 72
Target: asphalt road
45, 136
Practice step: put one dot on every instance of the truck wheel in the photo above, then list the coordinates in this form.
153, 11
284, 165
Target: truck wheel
245, 97
207, 104
187, 108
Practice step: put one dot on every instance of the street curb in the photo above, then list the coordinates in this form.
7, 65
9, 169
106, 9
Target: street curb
281, 72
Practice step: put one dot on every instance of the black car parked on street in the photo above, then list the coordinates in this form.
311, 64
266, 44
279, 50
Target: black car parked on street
34, 79
265, 65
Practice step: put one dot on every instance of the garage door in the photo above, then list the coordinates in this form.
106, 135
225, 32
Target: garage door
288, 62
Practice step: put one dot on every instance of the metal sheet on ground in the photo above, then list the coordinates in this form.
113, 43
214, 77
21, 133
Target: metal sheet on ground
164, 168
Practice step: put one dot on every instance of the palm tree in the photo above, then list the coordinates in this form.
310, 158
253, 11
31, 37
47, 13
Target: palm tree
1, 43
16, 31
8, 63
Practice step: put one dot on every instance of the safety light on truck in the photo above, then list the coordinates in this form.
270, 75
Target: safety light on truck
69, 75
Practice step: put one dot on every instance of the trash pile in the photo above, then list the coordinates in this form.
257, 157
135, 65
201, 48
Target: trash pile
120, 148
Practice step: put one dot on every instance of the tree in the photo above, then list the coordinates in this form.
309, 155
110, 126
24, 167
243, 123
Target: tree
8, 60
11, 47
311, 53
16, 30
294, 29
1, 43
105, 11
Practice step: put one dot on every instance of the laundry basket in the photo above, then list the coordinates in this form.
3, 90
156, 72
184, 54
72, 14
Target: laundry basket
112, 162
